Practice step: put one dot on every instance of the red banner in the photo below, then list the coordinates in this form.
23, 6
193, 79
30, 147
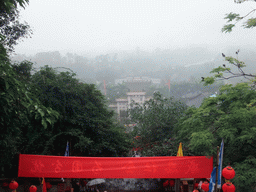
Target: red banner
115, 167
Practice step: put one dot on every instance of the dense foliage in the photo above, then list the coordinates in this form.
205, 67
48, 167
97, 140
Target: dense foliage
84, 117
18, 107
11, 29
41, 112
155, 121
231, 116
7, 5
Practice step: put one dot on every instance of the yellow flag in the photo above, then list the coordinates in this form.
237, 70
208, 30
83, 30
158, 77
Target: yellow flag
180, 152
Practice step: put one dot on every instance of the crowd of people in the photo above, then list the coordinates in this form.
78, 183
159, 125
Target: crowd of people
79, 186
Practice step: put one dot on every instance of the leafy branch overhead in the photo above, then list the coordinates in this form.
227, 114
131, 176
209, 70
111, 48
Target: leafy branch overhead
235, 18
8, 5
224, 69
11, 29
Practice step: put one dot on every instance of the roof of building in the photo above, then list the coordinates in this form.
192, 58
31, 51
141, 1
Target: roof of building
120, 100
136, 93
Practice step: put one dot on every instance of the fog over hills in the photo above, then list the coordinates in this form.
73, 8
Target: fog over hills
177, 65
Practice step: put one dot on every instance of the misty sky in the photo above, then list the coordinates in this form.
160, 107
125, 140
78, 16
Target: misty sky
102, 26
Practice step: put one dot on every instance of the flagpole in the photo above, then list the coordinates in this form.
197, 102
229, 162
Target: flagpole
69, 148
220, 164
217, 165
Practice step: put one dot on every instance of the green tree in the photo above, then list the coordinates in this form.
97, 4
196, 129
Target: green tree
235, 18
84, 116
231, 116
155, 122
12, 30
20, 110
7, 5
18, 106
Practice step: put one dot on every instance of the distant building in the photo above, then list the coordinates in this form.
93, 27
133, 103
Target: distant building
138, 79
123, 104
136, 86
137, 97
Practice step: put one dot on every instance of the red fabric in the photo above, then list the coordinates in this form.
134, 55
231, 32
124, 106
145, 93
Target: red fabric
114, 167
172, 183
48, 185
166, 184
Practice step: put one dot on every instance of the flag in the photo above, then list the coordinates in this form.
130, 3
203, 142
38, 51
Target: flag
66, 155
67, 150
220, 164
213, 175
44, 185
212, 180
180, 152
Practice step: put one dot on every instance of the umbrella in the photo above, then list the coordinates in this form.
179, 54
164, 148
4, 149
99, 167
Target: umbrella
95, 182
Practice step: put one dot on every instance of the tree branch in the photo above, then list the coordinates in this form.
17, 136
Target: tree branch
232, 72
242, 74
248, 13
245, 16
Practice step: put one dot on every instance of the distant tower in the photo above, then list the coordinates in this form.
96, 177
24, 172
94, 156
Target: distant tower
105, 87
169, 84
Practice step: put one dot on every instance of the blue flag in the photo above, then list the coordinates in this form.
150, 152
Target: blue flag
66, 155
220, 164
212, 180
67, 150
